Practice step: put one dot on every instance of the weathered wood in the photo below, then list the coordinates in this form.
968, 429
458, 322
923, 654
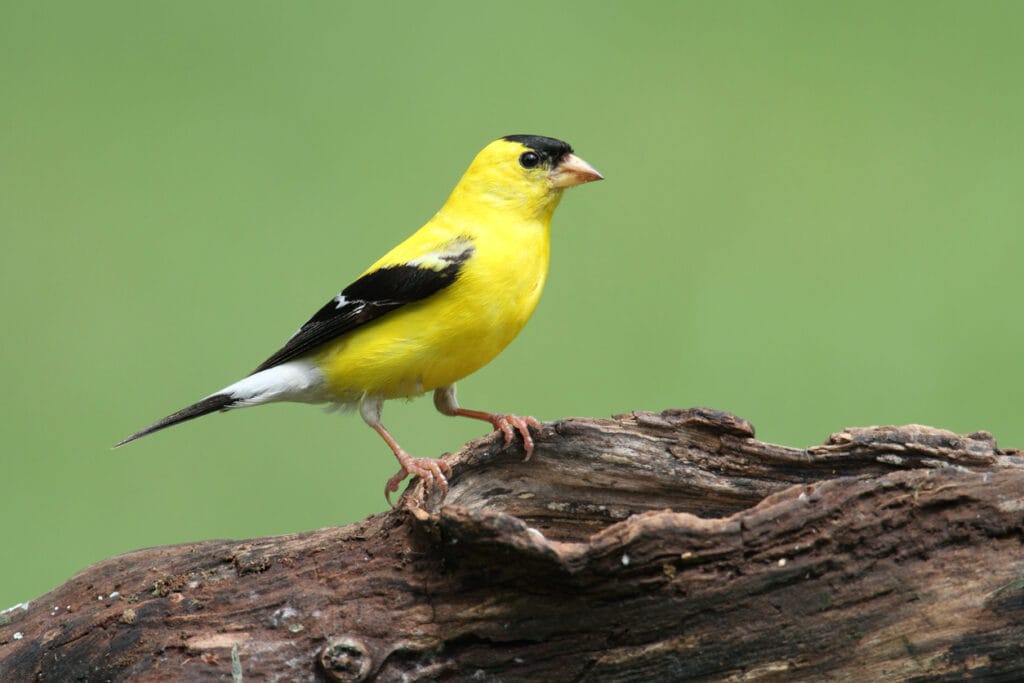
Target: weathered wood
670, 546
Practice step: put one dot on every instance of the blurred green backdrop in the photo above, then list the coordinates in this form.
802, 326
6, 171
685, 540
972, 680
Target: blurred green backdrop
812, 218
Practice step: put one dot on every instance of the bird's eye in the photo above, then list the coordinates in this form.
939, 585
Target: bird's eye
529, 160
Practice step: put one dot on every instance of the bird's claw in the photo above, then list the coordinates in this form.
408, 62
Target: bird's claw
432, 471
510, 424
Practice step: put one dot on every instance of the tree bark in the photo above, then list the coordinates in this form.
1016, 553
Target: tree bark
647, 547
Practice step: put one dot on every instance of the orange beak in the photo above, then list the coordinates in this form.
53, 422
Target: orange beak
572, 170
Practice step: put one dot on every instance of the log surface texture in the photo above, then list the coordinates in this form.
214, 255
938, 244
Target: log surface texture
648, 547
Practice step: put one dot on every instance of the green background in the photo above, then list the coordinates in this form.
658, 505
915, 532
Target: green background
812, 218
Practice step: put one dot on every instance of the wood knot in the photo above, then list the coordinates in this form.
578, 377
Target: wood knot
251, 562
346, 659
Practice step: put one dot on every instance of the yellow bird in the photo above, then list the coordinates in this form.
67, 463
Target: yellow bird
436, 308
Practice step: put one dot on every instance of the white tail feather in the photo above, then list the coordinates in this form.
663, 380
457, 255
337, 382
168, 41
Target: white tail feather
297, 380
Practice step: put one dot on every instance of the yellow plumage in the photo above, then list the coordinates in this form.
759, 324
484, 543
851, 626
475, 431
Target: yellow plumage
436, 308
460, 329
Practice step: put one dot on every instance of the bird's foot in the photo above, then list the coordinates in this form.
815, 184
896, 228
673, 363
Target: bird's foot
510, 424
433, 472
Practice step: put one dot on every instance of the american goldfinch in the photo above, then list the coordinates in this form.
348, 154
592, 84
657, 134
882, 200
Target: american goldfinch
436, 308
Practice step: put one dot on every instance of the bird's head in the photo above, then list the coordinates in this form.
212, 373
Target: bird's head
524, 173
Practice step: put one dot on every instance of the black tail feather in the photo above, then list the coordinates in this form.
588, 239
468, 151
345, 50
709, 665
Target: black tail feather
207, 405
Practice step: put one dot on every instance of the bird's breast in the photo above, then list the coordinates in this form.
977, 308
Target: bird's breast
451, 334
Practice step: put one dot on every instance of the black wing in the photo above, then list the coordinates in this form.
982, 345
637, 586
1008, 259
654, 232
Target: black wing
375, 294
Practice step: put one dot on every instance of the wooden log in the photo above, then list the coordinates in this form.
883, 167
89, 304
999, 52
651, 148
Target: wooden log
647, 547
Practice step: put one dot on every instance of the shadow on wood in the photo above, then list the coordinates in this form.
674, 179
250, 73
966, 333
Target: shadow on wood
669, 546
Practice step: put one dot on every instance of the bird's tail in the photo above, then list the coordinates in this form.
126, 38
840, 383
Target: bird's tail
297, 380
208, 405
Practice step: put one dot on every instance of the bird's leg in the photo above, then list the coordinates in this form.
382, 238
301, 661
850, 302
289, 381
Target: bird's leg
432, 471
447, 404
